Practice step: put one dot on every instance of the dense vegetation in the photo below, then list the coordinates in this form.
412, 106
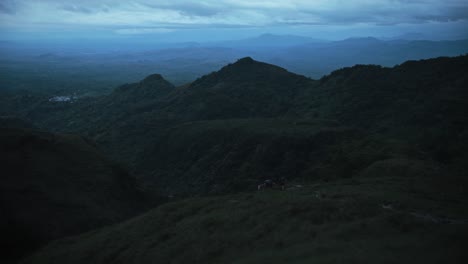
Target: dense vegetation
383, 109
367, 151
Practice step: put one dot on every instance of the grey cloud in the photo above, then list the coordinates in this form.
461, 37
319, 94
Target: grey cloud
8, 6
458, 13
77, 9
393, 12
252, 13
189, 9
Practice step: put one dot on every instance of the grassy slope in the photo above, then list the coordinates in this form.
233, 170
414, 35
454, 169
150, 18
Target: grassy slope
339, 222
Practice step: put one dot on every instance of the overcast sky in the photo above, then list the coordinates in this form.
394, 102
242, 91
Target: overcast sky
200, 20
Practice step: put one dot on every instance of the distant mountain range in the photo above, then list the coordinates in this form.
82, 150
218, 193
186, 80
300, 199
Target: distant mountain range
268, 40
69, 71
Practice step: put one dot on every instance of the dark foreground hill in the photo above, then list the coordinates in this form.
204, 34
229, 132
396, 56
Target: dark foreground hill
54, 185
374, 219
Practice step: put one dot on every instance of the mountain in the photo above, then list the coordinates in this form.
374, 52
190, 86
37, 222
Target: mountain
422, 102
415, 110
152, 86
93, 72
316, 60
367, 89
270, 41
374, 160
54, 185
131, 99
244, 89
100, 112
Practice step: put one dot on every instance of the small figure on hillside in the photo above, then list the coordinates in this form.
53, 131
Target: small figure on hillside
260, 186
282, 183
265, 184
269, 183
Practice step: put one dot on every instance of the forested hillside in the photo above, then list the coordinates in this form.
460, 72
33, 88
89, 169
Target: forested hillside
364, 150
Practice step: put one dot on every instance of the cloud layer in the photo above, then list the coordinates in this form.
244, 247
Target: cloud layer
161, 16
231, 12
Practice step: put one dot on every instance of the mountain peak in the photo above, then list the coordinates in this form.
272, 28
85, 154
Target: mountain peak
247, 70
244, 89
244, 70
245, 60
152, 84
153, 77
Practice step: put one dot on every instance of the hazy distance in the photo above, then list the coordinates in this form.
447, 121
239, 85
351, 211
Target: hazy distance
114, 42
